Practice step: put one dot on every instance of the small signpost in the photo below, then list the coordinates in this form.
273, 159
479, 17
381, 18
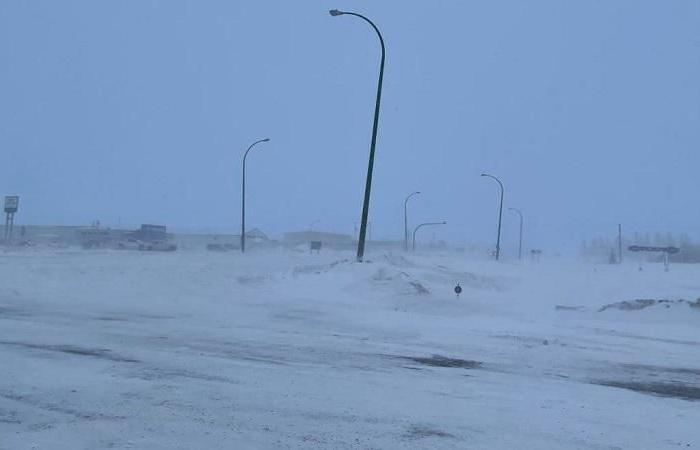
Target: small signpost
665, 250
315, 245
11, 207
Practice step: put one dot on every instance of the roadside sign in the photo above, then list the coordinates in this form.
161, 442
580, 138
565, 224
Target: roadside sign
667, 251
641, 248
11, 204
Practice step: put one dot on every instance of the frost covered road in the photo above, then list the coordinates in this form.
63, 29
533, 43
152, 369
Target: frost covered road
290, 350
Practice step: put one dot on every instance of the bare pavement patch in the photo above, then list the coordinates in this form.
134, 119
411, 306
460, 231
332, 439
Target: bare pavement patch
441, 361
660, 389
423, 432
672, 382
98, 353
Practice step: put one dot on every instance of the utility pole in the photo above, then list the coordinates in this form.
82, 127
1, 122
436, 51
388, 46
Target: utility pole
375, 127
405, 220
520, 240
243, 193
619, 242
500, 215
415, 230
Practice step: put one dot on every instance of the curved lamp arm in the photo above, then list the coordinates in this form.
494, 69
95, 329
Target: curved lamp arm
423, 225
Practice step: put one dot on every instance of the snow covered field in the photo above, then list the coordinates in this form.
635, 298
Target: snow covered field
277, 349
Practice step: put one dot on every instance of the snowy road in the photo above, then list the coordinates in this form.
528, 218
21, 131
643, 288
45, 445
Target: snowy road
290, 350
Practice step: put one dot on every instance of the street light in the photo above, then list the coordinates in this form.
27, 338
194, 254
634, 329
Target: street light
243, 194
370, 166
500, 214
423, 225
520, 241
405, 220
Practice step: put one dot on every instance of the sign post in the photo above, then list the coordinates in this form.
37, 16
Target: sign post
11, 206
315, 245
667, 251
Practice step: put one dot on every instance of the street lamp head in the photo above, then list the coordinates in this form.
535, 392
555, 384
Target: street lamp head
266, 140
335, 12
484, 174
444, 223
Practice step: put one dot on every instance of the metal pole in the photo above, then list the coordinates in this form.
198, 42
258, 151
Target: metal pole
500, 215
520, 240
12, 226
243, 193
370, 166
405, 220
619, 242
423, 225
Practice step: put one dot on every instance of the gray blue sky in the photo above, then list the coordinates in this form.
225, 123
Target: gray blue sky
140, 111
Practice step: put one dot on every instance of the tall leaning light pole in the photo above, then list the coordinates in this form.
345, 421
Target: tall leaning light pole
415, 230
520, 240
370, 167
500, 215
405, 220
243, 194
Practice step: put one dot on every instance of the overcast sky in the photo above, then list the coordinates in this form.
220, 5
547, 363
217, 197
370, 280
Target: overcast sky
139, 112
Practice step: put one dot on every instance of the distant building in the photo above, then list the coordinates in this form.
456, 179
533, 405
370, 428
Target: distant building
151, 233
95, 237
221, 241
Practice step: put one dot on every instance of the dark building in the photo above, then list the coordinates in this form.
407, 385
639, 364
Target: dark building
151, 233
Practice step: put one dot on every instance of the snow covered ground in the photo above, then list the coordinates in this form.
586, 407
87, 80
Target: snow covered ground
279, 349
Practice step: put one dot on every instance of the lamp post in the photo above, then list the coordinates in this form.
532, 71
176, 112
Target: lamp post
423, 225
500, 215
619, 243
243, 194
520, 241
405, 220
370, 167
